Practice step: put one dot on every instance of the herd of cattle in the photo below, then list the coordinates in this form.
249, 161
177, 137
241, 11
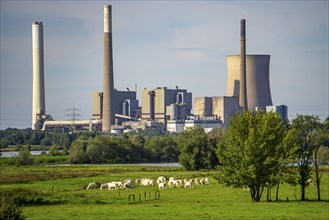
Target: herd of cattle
161, 183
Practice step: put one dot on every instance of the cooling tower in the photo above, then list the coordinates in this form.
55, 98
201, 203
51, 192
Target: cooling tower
108, 89
38, 84
243, 87
257, 79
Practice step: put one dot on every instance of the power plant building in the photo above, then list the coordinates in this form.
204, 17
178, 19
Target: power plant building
280, 109
162, 104
125, 104
216, 108
257, 80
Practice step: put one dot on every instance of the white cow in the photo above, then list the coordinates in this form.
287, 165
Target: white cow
188, 184
128, 183
92, 185
161, 179
197, 181
162, 186
104, 186
204, 181
112, 186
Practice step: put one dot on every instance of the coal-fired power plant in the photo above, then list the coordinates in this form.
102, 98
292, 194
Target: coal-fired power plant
38, 92
248, 88
243, 87
108, 88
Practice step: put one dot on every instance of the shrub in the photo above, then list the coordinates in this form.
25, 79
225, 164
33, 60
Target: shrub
10, 210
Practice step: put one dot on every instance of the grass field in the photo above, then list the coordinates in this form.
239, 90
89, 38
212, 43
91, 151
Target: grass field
62, 196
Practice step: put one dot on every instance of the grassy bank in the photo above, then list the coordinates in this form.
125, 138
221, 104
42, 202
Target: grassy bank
59, 193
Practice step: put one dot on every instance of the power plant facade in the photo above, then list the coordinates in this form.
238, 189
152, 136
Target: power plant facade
38, 84
216, 108
126, 104
108, 88
161, 103
257, 80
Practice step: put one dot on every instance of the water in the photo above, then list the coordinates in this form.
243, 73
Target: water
126, 164
15, 153
39, 152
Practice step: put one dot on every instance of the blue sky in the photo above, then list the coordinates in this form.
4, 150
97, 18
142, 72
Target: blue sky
161, 43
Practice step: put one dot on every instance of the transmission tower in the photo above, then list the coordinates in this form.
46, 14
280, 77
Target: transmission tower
73, 116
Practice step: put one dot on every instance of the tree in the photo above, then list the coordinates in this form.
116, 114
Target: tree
161, 149
78, 150
24, 156
249, 152
319, 138
303, 126
195, 151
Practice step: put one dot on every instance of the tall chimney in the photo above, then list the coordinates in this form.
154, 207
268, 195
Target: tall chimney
243, 87
38, 84
108, 89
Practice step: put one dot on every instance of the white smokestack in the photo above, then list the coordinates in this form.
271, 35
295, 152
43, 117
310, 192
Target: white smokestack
38, 93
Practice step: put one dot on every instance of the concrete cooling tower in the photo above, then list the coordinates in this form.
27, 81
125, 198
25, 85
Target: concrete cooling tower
257, 79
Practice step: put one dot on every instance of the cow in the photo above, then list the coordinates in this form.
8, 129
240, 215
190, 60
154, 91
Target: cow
93, 185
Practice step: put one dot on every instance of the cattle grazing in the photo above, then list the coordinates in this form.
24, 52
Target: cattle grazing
128, 184
162, 186
104, 186
112, 186
188, 184
197, 181
161, 179
93, 185
204, 181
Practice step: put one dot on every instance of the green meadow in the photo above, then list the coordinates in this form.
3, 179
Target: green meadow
58, 192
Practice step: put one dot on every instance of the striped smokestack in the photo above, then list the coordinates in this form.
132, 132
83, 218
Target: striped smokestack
243, 86
108, 89
38, 84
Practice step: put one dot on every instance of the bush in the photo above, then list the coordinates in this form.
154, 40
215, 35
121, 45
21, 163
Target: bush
24, 156
10, 210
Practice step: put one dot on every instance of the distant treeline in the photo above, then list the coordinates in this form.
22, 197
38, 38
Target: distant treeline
14, 136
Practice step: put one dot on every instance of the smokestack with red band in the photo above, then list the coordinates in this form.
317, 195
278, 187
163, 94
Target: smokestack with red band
243, 85
108, 90
38, 84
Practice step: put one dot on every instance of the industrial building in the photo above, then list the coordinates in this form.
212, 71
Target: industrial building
280, 109
162, 104
126, 104
216, 108
174, 126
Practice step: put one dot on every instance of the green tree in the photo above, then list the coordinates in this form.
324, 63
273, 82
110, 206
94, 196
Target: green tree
319, 137
248, 154
78, 150
24, 156
195, 151
303, 127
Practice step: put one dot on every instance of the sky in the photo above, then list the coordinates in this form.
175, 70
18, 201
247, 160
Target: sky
160, 43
